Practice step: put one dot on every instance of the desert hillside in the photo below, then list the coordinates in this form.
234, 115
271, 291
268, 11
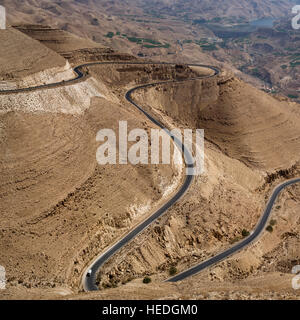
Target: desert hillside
57, 40
262, 271
60, 209
242, 166
24, 62
57, 208
245, 123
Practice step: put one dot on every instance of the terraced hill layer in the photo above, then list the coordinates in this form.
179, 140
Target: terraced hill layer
56, 39
25, 61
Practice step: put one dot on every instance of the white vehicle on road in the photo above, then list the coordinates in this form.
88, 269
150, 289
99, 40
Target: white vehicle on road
89, 273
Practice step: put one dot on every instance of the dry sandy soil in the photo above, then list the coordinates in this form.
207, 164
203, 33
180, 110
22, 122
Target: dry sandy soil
59, 209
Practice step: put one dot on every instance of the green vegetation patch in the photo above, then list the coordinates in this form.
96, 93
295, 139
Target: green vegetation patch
294, 64
206, 45
209, 47
245, 233
269, 228
110, 35
293, 96
148, 43
147, 280
172, 271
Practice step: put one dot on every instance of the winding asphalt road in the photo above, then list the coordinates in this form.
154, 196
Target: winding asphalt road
89, 283
242, 244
